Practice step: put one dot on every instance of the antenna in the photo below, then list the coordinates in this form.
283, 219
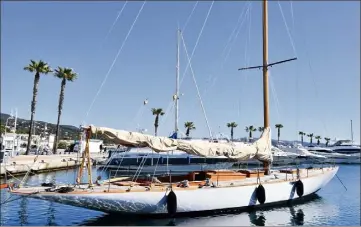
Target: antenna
351, 132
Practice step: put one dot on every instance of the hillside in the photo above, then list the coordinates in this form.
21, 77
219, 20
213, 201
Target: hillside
71, 132
66, 131
23, 125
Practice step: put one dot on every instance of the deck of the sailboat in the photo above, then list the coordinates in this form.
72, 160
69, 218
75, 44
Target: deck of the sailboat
238, 180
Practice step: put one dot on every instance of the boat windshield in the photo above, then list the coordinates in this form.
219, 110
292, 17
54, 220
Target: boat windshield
343, 143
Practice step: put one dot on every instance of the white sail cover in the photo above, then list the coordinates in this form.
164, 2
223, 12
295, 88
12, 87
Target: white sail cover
260, 149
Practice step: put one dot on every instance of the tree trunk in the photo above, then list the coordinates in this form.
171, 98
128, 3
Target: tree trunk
156, 125
250, 135
187, 133
302, 140
60, 108
33, 104
232, 133
278, 135
311, 140
318, 142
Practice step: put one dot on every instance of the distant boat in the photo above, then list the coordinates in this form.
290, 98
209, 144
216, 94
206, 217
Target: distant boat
342, 152
151, 162
345, 147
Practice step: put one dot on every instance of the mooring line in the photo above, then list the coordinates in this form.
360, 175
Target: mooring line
341, 182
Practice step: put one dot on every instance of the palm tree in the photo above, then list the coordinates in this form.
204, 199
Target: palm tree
65, 74
189, 126
157, 112
278, 127
301, 134
250, 129
311, 136
318, 139
327, 141
232, 125
38, 68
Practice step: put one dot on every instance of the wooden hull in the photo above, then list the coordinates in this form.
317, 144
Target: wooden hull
190, 200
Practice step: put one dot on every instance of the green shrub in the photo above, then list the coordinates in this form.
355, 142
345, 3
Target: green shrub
62, 145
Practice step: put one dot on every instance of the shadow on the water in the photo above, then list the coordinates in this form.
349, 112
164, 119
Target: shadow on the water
256, 216
297, 217
258, 220
23, 214
51, 215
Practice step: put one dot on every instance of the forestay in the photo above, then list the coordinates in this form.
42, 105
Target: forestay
260, 149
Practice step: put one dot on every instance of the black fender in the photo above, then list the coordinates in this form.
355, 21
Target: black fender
47, 185
172, 203
299, 188
261, 194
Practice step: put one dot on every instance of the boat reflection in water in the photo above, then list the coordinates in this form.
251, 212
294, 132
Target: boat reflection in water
298, 213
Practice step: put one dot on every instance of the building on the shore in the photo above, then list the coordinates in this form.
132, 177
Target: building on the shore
15, 144
94, 145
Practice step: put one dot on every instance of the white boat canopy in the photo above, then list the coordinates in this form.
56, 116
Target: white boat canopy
260, 149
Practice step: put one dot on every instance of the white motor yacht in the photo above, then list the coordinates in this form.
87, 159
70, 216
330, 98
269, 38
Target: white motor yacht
337, 154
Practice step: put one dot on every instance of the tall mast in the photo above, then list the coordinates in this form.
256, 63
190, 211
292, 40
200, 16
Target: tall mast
177, 85
265, 65
351, 132
265, 76
16, 119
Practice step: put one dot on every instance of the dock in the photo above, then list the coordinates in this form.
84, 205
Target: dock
20, 165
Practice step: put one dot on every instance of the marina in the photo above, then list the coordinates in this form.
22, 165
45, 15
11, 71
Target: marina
110, 170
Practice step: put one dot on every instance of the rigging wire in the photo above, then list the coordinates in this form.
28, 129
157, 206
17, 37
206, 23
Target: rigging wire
211, 84
315, 86
275, 97
307, 56
119, 164
115, 59
246, 60
139, 113
297, 74
293, 19
288, 30
197, 41
168, 110
115, 21
155, 169
183, 29
189, 17
235, 27
109, 161
195, 82
140, 168
239, 29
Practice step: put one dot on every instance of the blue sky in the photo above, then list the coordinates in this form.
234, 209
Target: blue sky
318, 93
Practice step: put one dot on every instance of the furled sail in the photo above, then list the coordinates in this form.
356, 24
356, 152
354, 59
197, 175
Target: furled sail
260, 149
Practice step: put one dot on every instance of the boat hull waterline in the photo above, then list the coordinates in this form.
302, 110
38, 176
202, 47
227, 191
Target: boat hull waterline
188, 201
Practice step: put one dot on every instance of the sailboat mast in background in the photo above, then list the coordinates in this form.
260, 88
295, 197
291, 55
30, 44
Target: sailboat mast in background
177, 85
351, 132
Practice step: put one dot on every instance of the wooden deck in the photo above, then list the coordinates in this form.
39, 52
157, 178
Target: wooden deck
225, 179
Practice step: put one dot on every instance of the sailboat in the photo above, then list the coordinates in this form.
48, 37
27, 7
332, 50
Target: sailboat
195, 192
177, 161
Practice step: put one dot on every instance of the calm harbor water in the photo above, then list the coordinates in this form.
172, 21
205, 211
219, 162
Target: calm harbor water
333, 205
